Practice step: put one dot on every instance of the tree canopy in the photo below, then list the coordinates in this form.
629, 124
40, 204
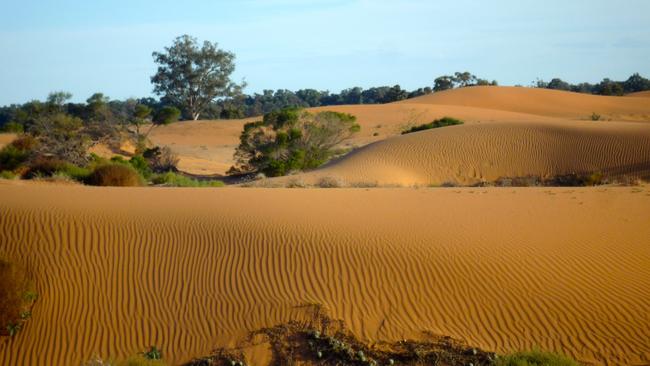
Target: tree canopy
191, 76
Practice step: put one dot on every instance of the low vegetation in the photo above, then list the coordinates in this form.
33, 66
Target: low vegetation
442, 122
16, 297
320, 340
151, 357
535, 358
171, 179
115, 175
291, 140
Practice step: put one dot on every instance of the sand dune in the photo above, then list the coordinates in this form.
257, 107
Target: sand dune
544, 102
206, 147
469, 154
643, 94
6, 138
118, 270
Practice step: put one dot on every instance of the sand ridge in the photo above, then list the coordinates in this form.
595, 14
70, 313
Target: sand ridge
474, 153
119, 269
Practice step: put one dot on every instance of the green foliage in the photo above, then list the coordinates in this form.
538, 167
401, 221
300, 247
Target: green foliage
444, 121
291, 139
13, 127
166, 116
171, 179
6, 174
11, 157
535, 358
153, 353
115, 174
193, 76
139, 163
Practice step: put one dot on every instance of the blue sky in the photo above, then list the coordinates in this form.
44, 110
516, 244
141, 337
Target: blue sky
99, 45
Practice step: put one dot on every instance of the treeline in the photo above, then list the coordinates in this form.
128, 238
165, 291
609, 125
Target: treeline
633, 84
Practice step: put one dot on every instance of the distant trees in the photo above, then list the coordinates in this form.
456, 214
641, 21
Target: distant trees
291, 139
191, 76
459, 80
634, 83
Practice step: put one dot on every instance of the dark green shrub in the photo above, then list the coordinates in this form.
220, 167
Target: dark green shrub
6, 174
117, 175
535, 358
13, 127
139, 163
291, 139
17, 152
444, 121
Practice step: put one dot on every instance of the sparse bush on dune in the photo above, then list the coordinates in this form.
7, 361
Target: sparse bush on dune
444, 121
171, 179
161, 159
535, 358
16, 297
330, 182
117, 175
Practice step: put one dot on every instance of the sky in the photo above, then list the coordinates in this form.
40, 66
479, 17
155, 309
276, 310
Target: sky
105, 46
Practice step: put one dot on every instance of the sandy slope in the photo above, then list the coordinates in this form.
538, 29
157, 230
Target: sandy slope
6, 138
468, 154
189, 269
644, 94
206, 147
545, 102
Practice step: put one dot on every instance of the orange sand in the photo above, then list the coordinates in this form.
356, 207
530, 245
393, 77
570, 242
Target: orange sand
119, 269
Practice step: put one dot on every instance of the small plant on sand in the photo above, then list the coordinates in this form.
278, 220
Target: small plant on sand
131, 361
171, 179
16, 297
535, 358
595, 116
117, 175
330, 182
444, 121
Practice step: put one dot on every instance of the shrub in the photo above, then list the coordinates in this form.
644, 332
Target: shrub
139, 163
16, 295
45, 167
13, 127
290, 140
117, 175
16, 153
330, 182
6, 174
595, 116
535, 358
444, 121
131, 361
161, 159
171, 179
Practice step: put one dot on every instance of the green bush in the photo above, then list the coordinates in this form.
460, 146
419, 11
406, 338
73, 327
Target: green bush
444, 121
290, 140
116, 175
13, 127
6, 174
171, 179
535, 358
16, 153
139, 163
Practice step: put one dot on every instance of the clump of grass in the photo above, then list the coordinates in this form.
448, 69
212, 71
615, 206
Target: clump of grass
442, 122
7, 174
296, 183
330, 182
16, 297
116, 175
595, 116
131, 361
535, 358
171, 179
